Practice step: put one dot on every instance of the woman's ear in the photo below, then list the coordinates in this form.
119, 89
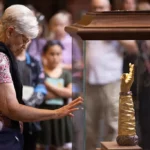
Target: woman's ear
9, 32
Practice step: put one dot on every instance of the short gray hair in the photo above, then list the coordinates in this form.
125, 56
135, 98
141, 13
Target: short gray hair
22, 18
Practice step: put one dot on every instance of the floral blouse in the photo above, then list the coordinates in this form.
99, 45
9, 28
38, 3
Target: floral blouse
5, 76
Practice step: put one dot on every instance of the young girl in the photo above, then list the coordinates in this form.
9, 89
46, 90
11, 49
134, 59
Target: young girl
58, 82
57, 32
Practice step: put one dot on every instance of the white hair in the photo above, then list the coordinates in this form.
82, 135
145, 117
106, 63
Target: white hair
22, 18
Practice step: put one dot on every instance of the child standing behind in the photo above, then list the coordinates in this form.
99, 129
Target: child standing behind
57, 26
58, 82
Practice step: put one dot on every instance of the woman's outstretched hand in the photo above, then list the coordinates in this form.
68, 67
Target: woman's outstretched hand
68, 109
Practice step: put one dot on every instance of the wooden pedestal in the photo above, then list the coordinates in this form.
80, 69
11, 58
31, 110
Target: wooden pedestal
115, 146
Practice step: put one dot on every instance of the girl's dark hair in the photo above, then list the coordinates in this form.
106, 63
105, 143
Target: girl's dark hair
50, 44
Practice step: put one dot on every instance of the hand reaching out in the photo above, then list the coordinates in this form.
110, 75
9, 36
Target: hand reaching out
127, 79
68, 109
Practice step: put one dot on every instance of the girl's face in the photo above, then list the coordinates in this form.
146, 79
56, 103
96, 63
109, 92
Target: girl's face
53, 56
58, 27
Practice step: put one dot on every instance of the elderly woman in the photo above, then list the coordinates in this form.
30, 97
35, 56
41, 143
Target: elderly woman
18, 26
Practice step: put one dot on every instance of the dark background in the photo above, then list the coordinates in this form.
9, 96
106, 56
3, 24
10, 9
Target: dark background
50, 7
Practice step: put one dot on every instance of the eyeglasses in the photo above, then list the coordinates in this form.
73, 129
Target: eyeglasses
24, 38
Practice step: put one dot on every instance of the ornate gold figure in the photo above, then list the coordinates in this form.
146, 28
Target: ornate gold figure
126, 122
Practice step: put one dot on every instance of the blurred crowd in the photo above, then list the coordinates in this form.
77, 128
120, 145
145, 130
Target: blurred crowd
51, 70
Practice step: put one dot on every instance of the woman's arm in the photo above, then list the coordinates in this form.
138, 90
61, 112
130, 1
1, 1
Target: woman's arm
10, 107
61, 92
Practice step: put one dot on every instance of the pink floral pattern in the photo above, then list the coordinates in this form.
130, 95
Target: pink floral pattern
5, 76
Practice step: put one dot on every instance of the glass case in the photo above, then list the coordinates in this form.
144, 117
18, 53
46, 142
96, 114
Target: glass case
109, 42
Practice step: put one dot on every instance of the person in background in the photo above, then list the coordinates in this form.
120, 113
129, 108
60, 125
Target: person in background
143, 5
18, 26
36, 46
143, 82
57, 32
129, 5
139, 89
56, 133
34, 91
104, 62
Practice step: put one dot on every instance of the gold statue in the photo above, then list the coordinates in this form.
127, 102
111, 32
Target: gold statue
126, 124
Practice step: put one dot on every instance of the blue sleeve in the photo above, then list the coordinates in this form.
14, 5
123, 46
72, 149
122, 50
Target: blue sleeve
40, 88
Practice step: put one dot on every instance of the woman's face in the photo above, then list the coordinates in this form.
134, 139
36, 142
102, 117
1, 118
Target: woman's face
17, 42
53, 56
